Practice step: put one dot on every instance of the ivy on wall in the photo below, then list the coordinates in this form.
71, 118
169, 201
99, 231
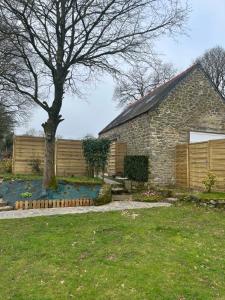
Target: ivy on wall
96, 152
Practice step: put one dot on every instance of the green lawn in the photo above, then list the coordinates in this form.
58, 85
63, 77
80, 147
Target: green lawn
167, 253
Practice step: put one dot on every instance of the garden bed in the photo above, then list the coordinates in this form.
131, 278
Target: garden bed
214, 199
31, 190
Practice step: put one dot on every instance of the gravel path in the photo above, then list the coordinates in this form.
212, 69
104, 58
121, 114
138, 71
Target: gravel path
114, 206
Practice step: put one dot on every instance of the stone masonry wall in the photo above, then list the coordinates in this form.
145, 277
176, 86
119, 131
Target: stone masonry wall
193, 105
135, 133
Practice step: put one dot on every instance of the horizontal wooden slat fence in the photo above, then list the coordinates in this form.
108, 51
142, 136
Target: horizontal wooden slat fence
69, 156
116, 159
25, 149
182, 165
195, 161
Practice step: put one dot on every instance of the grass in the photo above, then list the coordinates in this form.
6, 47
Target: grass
79, 180
211, 196
164, 253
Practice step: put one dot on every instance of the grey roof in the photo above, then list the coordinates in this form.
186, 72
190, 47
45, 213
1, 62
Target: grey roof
150, 101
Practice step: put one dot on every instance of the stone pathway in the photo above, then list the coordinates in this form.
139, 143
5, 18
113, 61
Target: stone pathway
113, 206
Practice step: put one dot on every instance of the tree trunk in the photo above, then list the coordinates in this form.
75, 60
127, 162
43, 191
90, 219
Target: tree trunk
49, 163
50, 127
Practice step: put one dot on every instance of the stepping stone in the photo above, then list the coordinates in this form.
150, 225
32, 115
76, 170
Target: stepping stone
6, 208
123, 197
171, 200
117, 190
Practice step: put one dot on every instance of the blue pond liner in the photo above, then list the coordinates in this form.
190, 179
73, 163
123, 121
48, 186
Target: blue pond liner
11, 191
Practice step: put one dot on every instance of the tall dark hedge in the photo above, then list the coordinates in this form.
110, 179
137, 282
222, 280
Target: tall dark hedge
136, 167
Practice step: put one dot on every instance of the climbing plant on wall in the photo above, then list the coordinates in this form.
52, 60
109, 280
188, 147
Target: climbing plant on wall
96, 153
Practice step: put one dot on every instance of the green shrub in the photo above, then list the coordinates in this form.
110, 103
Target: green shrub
136, 168
166, 193
209, 182
105, 195
148, 196
190, 198
96, 153
6, 165
26, 195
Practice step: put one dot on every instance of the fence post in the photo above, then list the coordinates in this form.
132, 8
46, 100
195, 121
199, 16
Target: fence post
208, 157
13, 154
56, 146
188, 167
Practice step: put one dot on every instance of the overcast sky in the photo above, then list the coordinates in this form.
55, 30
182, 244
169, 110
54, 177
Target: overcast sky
206, 29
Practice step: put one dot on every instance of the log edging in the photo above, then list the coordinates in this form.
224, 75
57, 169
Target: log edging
37, 204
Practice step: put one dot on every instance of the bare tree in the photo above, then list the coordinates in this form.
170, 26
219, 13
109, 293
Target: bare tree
62, 40
213, 62
13, 104
141, 79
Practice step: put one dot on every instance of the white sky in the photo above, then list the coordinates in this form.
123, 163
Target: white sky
206, 29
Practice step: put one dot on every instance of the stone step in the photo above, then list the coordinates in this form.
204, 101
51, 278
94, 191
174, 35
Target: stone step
122, 197
2, 203
117, 190
6, 208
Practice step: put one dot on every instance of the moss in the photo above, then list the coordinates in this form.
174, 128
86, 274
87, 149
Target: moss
105, 195
203, 197
211, 196
53, 185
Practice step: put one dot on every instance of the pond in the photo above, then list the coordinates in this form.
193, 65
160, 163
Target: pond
11, 191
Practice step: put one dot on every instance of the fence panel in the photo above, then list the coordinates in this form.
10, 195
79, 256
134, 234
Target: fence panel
69, 156
217, 162
116, 159
70, 159
25, 149
198, 163
182, 171
202, 158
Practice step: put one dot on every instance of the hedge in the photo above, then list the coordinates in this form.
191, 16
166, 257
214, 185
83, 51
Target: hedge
136, 167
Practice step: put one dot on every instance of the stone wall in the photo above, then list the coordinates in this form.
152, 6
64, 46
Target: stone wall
194, 105
135, 133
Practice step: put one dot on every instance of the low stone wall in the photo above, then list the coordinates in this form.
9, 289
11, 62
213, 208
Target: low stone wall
216, 203
105, 195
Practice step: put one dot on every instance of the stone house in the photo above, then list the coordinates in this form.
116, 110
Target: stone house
165, 117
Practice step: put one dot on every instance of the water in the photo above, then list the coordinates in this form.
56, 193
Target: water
11, 191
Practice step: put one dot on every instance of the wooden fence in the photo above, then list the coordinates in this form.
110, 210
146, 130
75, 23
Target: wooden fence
69, 158
33, 204
195, 161
116, 159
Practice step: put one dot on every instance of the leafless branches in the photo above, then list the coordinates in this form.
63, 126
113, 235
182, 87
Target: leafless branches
213, 62
55, 39
140, 80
